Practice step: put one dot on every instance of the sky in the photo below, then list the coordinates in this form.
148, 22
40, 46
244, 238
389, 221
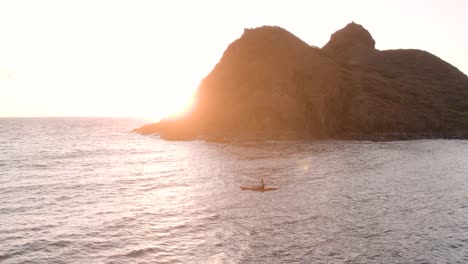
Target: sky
146, 58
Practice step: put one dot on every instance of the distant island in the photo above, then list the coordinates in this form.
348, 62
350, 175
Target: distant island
269, 84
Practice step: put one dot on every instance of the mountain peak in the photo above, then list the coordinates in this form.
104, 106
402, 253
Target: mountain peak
351, 35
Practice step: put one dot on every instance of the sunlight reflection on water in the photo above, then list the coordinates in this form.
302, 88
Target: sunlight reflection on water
88, 191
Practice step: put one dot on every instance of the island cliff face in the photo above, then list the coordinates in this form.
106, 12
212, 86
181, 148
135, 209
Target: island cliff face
269, 84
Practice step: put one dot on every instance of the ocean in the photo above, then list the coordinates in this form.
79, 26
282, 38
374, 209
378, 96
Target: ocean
87, 190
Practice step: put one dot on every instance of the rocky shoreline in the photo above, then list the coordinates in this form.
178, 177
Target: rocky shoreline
291, 136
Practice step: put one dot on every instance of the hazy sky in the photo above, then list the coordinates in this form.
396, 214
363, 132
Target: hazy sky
145, 58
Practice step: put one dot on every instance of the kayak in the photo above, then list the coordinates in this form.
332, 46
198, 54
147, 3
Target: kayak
257, 189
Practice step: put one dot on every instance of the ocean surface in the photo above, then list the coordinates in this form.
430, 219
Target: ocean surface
87, 190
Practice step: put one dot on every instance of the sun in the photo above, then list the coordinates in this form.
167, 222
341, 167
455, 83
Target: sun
176, 104
156, 103
172, 95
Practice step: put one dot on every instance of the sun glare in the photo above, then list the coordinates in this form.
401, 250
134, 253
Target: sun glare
176, 104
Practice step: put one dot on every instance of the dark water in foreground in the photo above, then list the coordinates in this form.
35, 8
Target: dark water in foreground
88, 191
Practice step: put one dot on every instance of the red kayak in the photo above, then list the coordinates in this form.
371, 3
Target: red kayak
258, 189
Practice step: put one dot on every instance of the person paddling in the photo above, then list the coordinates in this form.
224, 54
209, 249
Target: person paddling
260, 188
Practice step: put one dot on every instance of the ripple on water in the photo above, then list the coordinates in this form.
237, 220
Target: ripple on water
82, 195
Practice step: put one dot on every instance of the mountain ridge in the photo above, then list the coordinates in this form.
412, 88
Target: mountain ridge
269, 84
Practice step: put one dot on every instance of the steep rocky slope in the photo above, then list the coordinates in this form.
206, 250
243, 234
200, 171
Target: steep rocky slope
269, 84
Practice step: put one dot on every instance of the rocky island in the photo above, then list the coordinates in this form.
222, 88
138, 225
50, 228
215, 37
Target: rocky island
269, 84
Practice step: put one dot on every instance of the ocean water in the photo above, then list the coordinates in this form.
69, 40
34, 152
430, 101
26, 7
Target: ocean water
86, 190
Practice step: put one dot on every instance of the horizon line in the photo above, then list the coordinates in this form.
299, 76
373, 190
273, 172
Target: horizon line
120, 117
